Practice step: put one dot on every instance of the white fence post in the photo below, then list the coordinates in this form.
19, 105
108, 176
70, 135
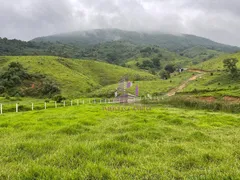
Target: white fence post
64, 103
78, 102
45, 105
32, 106
55, 104
1, 109
16, 107
71, 103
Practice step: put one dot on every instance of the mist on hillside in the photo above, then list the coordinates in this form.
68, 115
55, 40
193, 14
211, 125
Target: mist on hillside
27, 19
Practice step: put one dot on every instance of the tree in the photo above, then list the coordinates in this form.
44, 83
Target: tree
164, 74
156, 63
170, 68
59, 98
147, 64
230, 65
112, 57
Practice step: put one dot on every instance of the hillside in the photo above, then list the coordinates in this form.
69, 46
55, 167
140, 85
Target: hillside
200, 54
217, 63
156, 87
168, 41
73, 76
214, 81
165, 57
114, 52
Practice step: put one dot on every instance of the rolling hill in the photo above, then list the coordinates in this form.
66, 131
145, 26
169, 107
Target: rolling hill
215, 64
73, 76
168, 41
215, 81
117, 52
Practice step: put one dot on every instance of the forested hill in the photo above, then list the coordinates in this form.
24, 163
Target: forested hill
168, 41
119, 47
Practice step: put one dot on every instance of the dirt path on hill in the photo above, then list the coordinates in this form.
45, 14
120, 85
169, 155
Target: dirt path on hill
185, 83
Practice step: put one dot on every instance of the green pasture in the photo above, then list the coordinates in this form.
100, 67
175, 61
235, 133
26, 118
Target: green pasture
73, 76
88, 142
214, 84
158, 87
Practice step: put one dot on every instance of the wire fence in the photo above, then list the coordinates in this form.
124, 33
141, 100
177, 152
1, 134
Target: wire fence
41, 105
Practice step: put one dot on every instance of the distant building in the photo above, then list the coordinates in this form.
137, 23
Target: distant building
182, 69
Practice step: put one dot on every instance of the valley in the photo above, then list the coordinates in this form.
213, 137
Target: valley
54, 92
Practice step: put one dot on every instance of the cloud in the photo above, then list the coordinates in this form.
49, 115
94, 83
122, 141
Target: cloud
215, 19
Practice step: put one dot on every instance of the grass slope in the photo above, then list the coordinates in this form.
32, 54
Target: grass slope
75, 77
88, 143
217, 63
199, 54
217, 83
157, 87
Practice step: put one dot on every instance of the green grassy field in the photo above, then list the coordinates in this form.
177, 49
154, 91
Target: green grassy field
87, 142
75, 77
157, 87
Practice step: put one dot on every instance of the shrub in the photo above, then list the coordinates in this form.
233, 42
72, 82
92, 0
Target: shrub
170, 68
164, 74
49, 89
59, 98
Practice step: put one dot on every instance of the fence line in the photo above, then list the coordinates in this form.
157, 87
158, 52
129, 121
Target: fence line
37, 106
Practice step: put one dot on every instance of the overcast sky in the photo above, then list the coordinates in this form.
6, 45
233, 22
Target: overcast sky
218, 20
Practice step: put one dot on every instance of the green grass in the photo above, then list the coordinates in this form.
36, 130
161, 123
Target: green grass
157, 87
75, 77
88, 143
193, 102
216, 64
25, 104
217, 84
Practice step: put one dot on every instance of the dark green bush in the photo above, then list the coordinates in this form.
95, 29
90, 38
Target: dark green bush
59, 98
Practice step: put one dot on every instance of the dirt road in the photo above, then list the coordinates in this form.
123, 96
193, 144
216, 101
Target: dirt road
185, 83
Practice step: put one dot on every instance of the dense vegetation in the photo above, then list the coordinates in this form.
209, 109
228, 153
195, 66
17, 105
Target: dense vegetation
230, 65
174, 43
17, 48
200, 54
120, 47
16, 81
